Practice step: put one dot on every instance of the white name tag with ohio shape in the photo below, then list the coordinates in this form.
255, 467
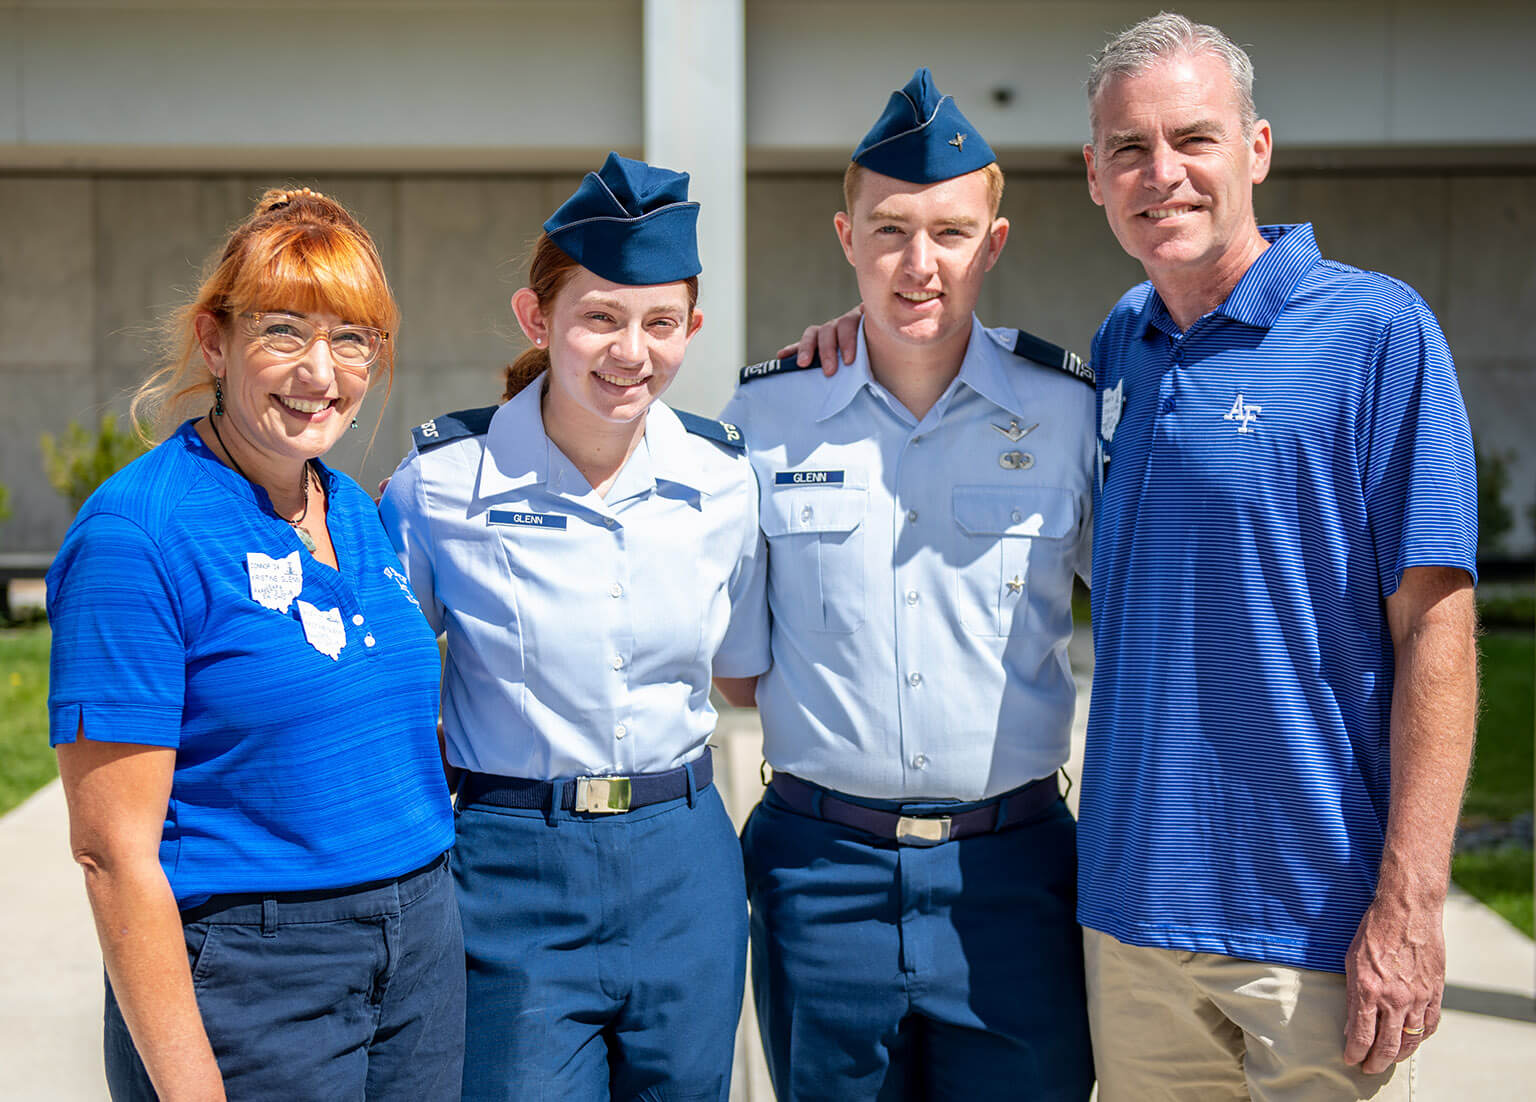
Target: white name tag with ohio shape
324, 630
274, 582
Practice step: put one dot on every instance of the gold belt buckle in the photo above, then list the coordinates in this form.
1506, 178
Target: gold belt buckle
602, 795
918, 830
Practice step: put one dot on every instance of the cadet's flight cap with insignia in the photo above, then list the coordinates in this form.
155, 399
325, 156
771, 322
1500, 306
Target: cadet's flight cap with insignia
922, 137
630, 223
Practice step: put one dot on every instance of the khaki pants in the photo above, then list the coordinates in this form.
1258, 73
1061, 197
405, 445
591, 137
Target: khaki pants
1199, 1027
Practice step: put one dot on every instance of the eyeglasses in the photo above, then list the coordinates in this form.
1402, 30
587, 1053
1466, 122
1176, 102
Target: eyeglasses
288, 335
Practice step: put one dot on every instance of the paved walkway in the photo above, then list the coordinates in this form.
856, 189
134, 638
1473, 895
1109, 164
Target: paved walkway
50, 969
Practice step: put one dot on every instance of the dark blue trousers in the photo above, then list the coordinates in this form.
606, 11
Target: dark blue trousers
901, 973
607, 954
341, 999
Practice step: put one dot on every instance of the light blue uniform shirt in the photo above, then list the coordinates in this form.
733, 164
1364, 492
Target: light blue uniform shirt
920, 572
582, 630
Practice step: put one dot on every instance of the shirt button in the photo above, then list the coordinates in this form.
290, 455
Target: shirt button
1017, 516
619, 730
611, 523
616, 590
914, 679
1167, 405
368, 640
920, 761
806, 514
916, 440
358, 620
618, 661
911, 596
911, 516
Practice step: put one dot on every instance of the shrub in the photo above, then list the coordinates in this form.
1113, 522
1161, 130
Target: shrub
84, 460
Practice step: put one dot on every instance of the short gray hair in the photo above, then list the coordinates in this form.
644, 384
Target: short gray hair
1164, 35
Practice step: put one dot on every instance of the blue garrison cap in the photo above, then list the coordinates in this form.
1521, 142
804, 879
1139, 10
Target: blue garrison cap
922, 137
630, 223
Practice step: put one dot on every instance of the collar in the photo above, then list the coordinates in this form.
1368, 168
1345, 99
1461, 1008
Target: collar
519, 453
1265, 288
983, 370
231, 479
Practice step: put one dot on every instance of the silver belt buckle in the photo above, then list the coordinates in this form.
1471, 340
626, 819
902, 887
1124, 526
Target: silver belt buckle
602, 795
918, 830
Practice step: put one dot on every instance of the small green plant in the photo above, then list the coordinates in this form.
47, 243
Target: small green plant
84, 460
1494, 517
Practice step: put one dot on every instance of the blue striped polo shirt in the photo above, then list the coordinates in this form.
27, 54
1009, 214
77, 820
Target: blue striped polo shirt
1264, 480
301, 700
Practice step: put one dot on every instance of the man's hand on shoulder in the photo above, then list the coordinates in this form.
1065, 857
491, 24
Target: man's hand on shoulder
835, 341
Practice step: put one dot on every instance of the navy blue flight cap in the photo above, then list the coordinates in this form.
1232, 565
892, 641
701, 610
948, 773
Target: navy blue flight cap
922, 137
630, 223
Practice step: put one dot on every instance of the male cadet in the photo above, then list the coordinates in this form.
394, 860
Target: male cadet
911, 866
1285, 683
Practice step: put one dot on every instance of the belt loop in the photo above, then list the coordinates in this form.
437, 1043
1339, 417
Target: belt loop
556, 798
1001, 810
269, 917
693, 790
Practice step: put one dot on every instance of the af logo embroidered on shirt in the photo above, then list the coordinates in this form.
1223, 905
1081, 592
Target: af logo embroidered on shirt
1109, 416
1244, 413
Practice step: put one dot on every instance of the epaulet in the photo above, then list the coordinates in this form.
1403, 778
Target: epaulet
453, 426
1032, 347
775, 367
721, 432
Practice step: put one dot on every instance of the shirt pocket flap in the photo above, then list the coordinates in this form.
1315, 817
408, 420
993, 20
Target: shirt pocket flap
1046, 511
795, 511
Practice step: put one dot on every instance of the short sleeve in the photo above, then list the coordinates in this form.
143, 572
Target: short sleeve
118, 661
744, 652
1419, 475
403, 511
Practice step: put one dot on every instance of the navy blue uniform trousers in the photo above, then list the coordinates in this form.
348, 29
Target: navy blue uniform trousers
903, 973
607, 953
323, 996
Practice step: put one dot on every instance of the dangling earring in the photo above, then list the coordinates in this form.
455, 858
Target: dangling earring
353, 425
218, 397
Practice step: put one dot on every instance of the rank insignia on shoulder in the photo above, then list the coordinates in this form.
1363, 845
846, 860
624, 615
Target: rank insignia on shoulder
721, 432
1031, 347
775, 367
453, 426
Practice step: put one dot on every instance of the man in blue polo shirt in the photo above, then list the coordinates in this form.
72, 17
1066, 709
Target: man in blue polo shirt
1283, 565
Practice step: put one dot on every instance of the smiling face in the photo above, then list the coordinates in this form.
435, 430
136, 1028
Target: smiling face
1175, 173
613, 347
920, 252
279, 410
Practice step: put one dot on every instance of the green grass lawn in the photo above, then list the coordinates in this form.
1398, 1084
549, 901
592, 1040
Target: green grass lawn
28, 761
1502, 774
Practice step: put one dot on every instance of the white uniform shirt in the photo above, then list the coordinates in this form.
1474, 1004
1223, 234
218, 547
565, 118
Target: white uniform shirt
582, 631
920, 572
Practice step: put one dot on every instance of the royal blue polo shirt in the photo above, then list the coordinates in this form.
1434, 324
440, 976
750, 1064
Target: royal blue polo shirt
301, 700
1265, 478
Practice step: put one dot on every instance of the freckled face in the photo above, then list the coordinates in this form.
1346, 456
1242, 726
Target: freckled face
920, 252
1171, 167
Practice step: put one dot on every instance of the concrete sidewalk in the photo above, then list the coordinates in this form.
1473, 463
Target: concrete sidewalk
50, 968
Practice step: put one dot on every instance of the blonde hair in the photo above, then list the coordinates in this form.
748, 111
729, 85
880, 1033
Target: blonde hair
297, 250
549, 269
853, 179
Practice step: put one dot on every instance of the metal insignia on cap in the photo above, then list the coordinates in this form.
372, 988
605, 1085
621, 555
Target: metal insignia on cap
958, 141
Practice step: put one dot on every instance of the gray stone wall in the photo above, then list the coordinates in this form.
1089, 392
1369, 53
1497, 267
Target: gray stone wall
88, 264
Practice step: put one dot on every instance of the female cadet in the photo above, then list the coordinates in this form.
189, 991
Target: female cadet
243, 699
591, 555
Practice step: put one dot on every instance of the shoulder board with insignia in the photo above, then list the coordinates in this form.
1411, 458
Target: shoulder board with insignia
1032, 347
453, 426
775, 367
722, 432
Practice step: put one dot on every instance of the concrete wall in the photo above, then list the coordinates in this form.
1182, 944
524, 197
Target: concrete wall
89, 262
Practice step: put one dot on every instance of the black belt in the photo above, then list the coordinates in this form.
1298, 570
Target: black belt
596, 795
926, 829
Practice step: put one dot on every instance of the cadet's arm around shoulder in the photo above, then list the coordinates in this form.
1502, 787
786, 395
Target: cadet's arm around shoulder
1395, 967
739, 692
835, 341
117, 795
